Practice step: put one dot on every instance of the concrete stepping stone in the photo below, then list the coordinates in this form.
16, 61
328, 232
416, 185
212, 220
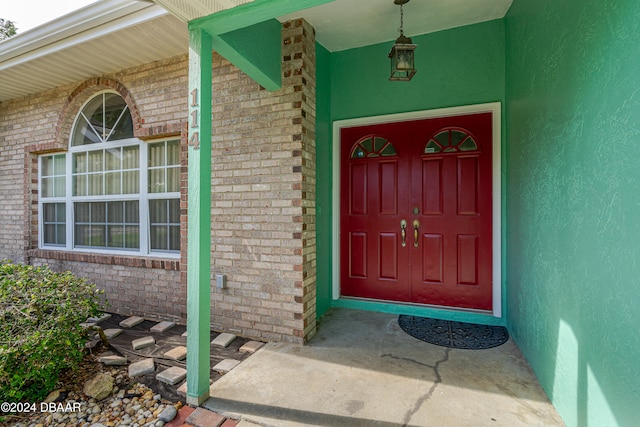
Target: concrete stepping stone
143, 342
112, 333
251, 347
204, 418
113, 360
223, 340
132, 321
226, 365
177, 353
99, 319
172, 376
143, 367
162, 327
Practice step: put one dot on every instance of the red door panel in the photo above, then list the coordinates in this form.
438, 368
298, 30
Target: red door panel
376, 179
436, 177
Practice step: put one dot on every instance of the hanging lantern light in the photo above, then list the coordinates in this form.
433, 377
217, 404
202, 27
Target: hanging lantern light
401, 55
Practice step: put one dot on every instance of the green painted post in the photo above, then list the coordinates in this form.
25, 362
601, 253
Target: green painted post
199, 214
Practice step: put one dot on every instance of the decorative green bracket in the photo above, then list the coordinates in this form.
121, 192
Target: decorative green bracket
249, 36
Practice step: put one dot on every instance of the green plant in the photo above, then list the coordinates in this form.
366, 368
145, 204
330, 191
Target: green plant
40, 332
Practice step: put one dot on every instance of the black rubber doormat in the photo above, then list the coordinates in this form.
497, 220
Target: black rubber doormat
452, 334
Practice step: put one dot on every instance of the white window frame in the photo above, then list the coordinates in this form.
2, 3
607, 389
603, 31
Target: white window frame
142, 197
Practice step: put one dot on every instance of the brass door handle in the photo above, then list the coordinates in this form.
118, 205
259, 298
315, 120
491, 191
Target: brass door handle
403, 232
416, 226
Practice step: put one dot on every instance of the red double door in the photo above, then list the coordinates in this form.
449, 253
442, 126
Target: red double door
416, 219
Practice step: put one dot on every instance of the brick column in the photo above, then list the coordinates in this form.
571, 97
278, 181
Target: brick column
299, 71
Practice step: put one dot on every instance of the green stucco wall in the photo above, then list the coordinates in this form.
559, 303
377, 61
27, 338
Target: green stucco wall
573, 132
456, 67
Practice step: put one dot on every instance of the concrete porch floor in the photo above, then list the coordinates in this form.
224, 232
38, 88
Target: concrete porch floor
361, 369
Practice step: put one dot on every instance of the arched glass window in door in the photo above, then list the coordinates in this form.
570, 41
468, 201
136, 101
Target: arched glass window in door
450, 140
373, 146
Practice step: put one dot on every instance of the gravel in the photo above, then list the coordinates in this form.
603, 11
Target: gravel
133, 405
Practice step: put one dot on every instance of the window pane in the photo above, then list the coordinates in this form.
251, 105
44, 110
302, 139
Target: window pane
113, 156
95, 184
174, 238
174, 211
47, 166
49, 212
61, 230
82, 212
156, 181
95, 161
132, 214
112, 183
158, 237
80, 185
60, 165
61, 212
173, 179
124, 128
84, 133
98, 212
132, 239
130, 157
80, 163
116, 212
93, 112
130, 182
156, 154
116, 236
47, 187
82, 235
173, 152
158, 211
50, 234
59, 184
98, 235
114, 106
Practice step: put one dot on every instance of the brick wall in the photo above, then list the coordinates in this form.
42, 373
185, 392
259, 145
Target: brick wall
41, 123
263, 185
263, 179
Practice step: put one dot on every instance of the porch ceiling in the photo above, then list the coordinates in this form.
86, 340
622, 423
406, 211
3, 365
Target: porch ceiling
345, 24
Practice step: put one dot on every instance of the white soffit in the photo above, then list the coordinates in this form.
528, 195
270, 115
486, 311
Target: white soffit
188, 10
101, 38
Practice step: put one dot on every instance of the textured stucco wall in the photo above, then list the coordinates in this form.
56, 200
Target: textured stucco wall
573, 131
456, 67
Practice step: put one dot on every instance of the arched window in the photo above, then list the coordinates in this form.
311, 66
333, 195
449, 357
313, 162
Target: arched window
111, 192
373, 146
450, 140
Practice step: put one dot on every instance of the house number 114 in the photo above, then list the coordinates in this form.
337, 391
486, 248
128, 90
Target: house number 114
194, 137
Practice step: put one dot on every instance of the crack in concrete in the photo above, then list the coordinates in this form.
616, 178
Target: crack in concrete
421, 400
391, 356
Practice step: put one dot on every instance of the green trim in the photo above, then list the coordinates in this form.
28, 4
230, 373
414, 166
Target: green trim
414, 310
256, 50
199, 217
247, 37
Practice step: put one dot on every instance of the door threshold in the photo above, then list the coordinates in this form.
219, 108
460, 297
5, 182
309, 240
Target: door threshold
483, 317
